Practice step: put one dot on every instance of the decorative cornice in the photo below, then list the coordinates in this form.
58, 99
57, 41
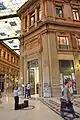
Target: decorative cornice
7, 47
62, 1
25, 6
48, 22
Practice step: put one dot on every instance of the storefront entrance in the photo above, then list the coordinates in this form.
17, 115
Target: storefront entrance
2, 79
33, 76
67, 71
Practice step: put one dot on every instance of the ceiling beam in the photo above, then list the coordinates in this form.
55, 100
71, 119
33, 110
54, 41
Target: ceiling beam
15, 49
8, 16
9, 38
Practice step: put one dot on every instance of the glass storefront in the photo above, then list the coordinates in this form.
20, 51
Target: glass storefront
33, 76
67, 71
2, 80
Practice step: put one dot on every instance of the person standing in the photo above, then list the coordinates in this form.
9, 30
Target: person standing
28, 90
0, 96
25, 90
16, 97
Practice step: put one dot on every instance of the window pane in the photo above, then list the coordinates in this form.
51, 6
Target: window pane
74, 15
32, 17
78, 42
0, 52
77, 15
59, 11
25, 22
39, 14
63, 42
67, 41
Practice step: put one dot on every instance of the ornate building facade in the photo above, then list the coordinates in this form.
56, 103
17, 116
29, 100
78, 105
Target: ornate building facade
9, 68
50, 45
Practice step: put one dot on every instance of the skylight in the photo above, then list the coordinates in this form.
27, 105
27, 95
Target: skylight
10, 27
13, 44
8, 7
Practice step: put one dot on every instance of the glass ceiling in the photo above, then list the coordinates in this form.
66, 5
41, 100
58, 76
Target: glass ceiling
8, 7
10, 27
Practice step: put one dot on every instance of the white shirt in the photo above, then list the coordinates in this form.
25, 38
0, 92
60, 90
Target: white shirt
28, 86
16, 92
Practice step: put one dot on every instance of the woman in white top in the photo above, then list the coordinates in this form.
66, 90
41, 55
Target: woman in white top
66, 100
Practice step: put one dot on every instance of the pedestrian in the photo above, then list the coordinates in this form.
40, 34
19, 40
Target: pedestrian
28, 90
16, 97
0, 96
66, 100
25, 90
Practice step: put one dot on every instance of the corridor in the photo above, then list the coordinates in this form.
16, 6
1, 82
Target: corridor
36, 111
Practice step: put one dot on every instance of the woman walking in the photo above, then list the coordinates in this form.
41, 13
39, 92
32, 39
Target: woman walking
66, 101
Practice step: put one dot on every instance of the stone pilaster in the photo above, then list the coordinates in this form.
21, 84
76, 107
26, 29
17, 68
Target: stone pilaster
28, 22
50, 66
77, 72
45, 67
54, 65
49, 9
36, 17
25, 70
21, 79
21, 63
22, 27
40, 76
43, 9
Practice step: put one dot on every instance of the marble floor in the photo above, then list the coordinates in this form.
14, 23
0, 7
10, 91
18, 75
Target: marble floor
36, 111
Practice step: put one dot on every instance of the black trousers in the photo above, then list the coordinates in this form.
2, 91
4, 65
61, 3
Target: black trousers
28, 93
68, 105
16, 98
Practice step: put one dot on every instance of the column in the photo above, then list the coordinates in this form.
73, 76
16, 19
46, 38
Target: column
36, 17
22, 27
43, 4
2, 53
21, 62
25, 70
28, 22
77, 73
54, 65
45, 66
40, 76
49, 9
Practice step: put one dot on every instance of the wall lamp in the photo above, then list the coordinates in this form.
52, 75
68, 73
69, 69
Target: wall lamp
77, 67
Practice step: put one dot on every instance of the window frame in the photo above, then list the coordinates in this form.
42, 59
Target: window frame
39, 17
11, 59
4, 54
74, 11
32, 15
59, 6
0, 52
8, 56
78, 43
25, 22
64, 46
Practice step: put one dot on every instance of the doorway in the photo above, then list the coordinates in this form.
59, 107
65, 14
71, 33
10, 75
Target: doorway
2, 80
67, 71
33, 76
